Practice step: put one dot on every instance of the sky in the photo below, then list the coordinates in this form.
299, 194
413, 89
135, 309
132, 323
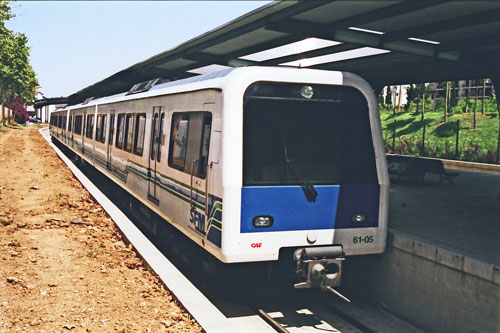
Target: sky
75, 44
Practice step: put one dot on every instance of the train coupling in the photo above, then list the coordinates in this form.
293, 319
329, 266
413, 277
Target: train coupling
319, 267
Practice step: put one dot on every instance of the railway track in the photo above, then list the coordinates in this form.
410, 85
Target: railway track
314, 312
266, 308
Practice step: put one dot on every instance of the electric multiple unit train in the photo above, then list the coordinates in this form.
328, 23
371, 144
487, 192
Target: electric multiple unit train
247, 162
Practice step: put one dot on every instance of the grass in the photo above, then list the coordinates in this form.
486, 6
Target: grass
475, 144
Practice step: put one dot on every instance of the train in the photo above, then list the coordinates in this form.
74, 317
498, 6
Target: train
252, 164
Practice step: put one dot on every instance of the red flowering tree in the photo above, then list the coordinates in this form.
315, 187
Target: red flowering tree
19, 111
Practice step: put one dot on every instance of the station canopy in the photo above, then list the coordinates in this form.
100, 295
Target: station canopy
385, 42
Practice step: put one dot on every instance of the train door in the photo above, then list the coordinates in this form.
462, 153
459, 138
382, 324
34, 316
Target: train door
189, 148
200, 124
155, 152
111, 131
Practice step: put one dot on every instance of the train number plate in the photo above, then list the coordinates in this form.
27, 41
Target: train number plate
361, 239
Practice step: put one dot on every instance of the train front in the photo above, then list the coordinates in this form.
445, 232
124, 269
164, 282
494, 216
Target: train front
313, 184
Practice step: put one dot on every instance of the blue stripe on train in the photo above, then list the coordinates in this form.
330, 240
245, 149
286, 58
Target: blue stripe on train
290, 209
215, 236
356, 199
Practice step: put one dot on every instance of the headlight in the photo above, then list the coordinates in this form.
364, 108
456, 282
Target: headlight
307, 92
263, 221
358, 218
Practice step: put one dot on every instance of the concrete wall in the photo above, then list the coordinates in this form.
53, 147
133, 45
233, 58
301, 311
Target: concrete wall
435, 289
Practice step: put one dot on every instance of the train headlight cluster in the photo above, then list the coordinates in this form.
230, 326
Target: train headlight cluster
307, 92
263, 221
358, 218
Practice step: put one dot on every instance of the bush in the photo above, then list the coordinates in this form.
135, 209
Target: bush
19, 111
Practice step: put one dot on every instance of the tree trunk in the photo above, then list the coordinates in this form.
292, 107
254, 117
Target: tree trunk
475, 105
446, 103
467, 98
450, 96
418, 101
484, 96
423, 102
399, 98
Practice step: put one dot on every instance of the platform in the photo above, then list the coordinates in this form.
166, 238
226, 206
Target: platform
464, 218
441, 267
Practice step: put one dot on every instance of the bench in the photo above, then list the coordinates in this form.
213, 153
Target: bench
415, 168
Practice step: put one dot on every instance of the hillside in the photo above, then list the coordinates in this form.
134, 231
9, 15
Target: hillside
475, 145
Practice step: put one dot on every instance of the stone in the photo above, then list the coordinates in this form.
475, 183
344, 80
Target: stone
21, 224
5, 222
12, 279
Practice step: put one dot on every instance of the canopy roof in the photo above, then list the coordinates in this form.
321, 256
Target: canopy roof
386, 42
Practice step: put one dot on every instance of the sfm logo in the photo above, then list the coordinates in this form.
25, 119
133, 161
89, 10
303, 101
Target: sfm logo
256, 245
198, 220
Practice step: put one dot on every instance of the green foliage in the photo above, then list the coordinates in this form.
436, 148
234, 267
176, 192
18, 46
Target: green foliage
412, 106
17, 78
475, 145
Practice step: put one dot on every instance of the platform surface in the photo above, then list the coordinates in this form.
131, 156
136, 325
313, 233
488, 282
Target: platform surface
464, 218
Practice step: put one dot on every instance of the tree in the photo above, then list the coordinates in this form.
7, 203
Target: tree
467, 98
388, 96
475, 104
484, 97
17, 77
446, 101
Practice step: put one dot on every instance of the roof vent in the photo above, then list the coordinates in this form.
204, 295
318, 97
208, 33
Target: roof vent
142, 87
88, 100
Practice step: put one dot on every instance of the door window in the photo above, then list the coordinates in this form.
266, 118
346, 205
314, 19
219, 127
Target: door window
190, 141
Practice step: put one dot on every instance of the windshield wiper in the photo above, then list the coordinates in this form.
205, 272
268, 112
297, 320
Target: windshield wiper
309, 190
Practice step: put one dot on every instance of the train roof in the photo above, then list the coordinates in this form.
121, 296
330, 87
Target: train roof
219, 79
195, 82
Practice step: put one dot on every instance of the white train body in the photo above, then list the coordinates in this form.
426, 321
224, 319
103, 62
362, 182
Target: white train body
205, 134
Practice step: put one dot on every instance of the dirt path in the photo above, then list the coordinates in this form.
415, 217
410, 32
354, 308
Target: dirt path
57, 276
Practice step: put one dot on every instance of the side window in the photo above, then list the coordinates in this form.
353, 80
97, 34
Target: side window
140, 129
111, 128
100, 131
154, 130
205, 144
190, 141
160, 135
90, 126
103, 128
98, 128
129, 131
78, 125
119, 130
70, 127
178, 141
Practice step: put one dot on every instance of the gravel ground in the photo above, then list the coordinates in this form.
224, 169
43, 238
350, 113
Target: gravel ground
63, 264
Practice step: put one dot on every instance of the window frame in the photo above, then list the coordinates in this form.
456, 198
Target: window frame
128, 140
89, 129
139, 151
172, 145
195, 148
119, 121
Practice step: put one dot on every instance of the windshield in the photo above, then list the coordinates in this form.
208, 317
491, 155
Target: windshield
327, 137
